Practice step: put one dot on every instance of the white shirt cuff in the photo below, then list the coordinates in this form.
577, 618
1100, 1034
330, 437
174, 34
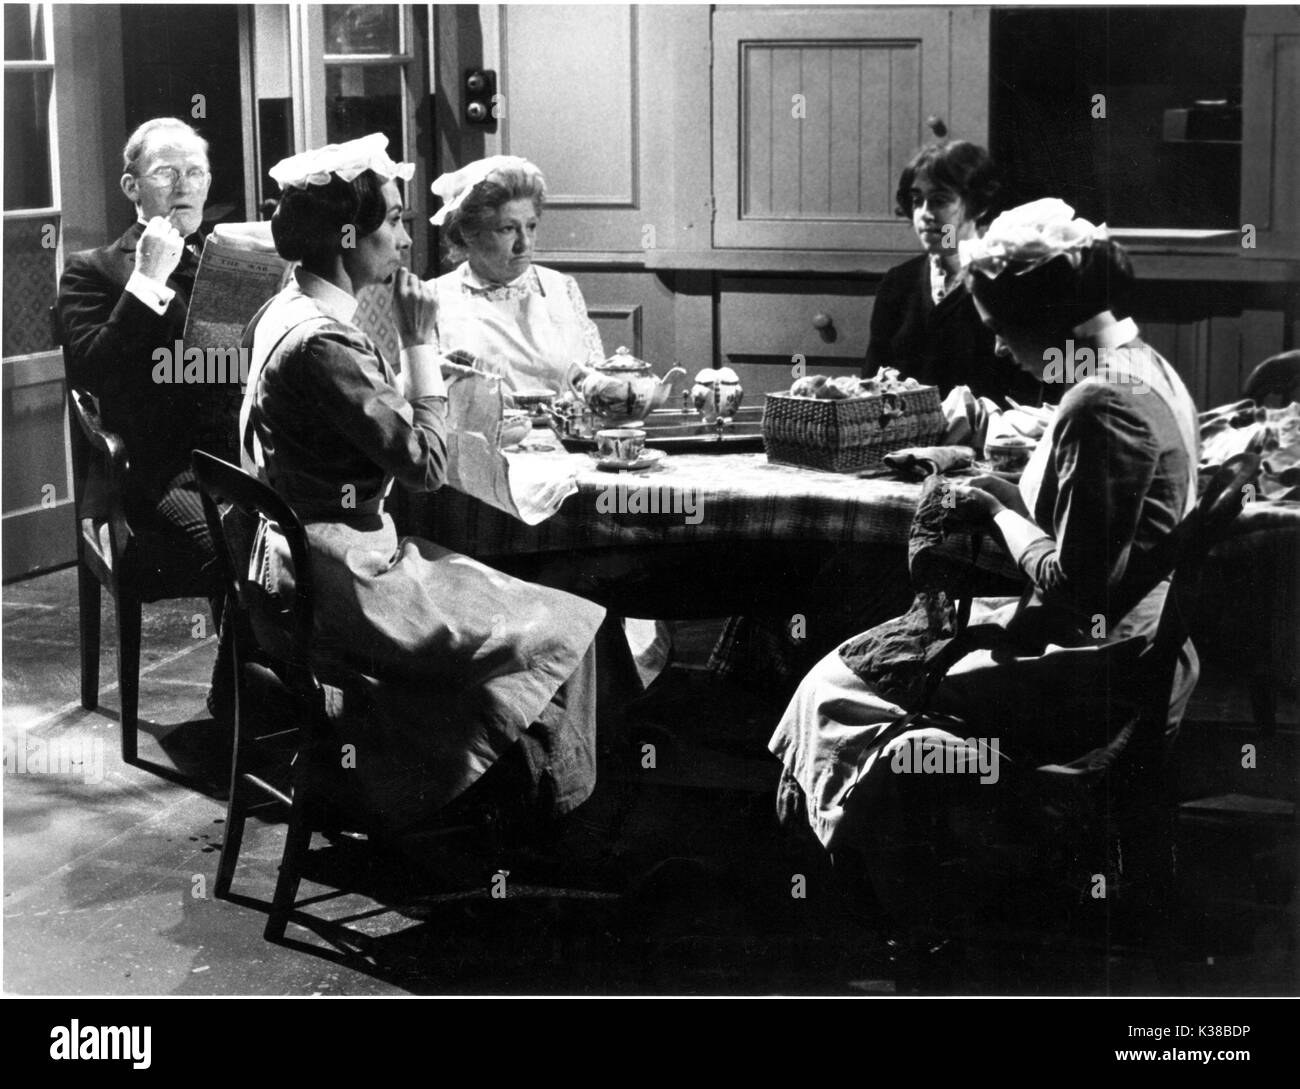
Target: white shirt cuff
422, 372
157, 297
1018, 532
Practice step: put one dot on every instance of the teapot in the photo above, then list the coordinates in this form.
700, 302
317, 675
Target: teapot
621, 390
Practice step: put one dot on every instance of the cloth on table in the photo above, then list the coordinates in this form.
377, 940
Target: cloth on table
1244, 427
530, 489
918, 462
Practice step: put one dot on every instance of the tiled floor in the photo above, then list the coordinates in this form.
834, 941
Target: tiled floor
677, 880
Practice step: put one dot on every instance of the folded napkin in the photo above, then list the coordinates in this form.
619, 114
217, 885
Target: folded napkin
918, 462
529, 488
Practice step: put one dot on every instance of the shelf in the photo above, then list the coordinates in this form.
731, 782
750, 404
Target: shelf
1162, 254
829, 262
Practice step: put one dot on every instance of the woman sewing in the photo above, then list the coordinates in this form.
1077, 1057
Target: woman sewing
481, 671
923, 321
1115, 473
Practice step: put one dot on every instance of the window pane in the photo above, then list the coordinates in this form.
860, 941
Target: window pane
361, 28
24, 32
27, 140
362, 99
29, 284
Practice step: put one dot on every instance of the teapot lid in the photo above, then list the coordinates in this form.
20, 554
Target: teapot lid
623, 360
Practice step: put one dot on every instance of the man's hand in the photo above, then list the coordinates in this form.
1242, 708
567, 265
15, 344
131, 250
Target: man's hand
159, 250
416, 307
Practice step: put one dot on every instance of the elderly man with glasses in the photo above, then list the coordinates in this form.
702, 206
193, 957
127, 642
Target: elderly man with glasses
120, 304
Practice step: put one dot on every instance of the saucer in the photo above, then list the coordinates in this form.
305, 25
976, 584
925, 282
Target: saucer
646, 459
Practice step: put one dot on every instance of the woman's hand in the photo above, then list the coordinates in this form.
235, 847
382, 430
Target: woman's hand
970, 506
416, 308
1003, 490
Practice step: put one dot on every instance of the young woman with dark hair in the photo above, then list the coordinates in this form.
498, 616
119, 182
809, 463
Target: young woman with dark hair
922, 320
477, 671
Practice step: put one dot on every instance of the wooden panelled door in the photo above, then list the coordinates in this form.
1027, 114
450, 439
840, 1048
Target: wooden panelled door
817, 110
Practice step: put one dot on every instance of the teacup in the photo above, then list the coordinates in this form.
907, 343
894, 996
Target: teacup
535, 401
515, 424
620, 443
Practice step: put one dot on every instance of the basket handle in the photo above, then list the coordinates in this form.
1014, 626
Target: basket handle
891, 408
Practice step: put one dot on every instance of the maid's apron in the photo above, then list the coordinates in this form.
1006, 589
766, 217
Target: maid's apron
464, 659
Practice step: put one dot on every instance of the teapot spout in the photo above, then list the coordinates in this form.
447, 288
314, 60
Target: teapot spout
666, 386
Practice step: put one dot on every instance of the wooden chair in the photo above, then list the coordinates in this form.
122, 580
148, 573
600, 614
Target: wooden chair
1110, 812
1120, 798
287, 706
272, 661
110, 555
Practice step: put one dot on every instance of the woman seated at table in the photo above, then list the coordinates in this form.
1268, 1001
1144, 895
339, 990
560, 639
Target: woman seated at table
923, 321
485, 671
524, 322
1114, 474
520, 320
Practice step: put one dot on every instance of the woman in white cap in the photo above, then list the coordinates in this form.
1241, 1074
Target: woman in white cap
482, 676
1112, 477
520, 320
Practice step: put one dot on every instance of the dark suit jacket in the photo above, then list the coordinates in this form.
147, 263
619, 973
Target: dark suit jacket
945, 345
111, 339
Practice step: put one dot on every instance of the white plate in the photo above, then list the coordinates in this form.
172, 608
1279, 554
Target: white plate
619, 465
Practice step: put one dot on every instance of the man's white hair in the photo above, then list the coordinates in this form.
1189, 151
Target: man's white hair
136, 141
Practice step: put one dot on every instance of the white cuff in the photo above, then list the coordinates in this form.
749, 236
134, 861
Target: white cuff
1018, 532
422, 372
157, 297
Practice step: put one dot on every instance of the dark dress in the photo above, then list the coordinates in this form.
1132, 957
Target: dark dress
1112, 477
468, 661
945, 345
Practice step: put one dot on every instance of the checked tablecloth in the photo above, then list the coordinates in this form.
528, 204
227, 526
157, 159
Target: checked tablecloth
687, 498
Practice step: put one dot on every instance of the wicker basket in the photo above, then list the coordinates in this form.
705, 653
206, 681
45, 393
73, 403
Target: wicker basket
850, 435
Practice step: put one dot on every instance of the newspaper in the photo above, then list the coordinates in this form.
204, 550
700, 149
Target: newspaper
238, 272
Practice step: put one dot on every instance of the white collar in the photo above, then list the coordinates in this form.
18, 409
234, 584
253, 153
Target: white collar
332, 300
1105, 331
528, 280
941, 284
